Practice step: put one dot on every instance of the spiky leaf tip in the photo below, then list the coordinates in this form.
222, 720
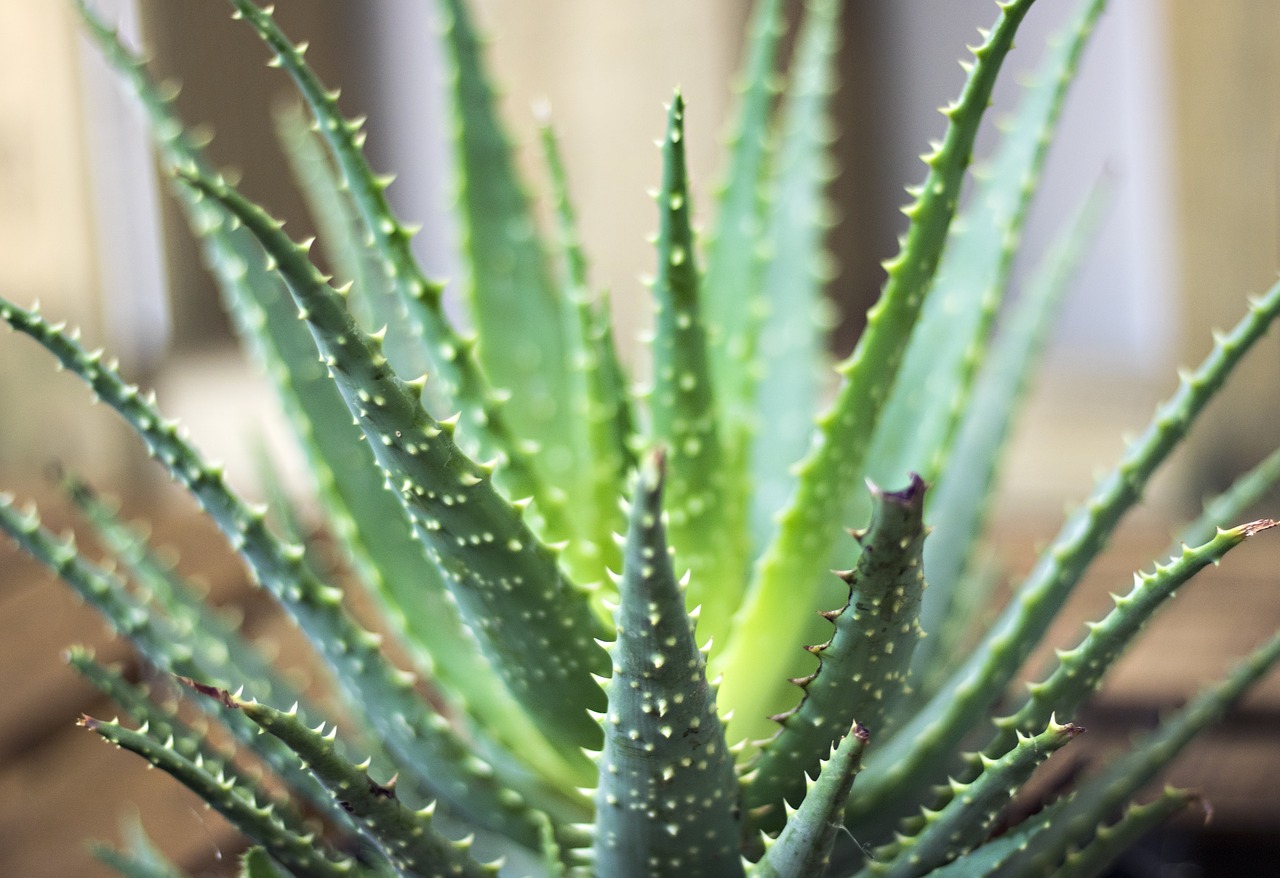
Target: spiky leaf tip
863, 667
667, 802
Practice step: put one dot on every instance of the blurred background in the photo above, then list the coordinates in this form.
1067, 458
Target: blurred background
1173, 104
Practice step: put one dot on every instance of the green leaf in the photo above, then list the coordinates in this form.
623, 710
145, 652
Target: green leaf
257, 863
948, 345
520, 320
457, 378
772, 623
369, 520
501, 575
424, 744
140, 858
295, 847
734, 256
683, 408
341, 234
1112, 841
667, 801
407, 838
862, 669
918, 751
1102, 795
1080, 669
788, 349
803, 847
601, 401
955, 830
959, 505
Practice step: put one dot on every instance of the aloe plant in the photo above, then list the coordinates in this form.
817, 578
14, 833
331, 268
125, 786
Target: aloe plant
605, 597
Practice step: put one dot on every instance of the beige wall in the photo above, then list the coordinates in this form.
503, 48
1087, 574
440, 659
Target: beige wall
1225, 81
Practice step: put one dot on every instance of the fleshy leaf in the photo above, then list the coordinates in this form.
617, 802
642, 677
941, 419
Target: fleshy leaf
803, 847
954, 830
960, 503
667, 802
425, 745
863, 667
703, 519
771, 623
949, 341
518, 316
298, 849
1100, 796
920, 749
501, 575
788, 347
407, 838
369, 520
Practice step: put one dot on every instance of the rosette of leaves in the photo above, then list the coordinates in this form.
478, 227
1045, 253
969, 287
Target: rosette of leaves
604, 598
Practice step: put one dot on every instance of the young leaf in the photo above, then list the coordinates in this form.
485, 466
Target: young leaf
683, 408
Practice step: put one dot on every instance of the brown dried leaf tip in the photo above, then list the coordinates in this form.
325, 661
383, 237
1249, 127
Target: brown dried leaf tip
212, 691
1257, 527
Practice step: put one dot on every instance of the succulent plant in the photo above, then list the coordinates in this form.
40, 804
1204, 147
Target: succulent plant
602, 599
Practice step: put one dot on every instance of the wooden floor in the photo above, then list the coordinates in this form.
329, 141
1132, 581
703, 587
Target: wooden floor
61, 786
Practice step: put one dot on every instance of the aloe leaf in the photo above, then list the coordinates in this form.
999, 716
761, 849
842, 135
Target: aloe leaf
1112, 841
602, 400
1103, 794
291, 844
959, 506
369, 520
160, 640
458, 377
500, 573
787, 350
952, 831
140, 858
804, 846
257, 863
683, 407
921, 747
863, 667
915, 430
425, 746
1232, 503
407, 838
667, 801
772, 624
341, 232
1080, 669
214, 642
161, 722
733, 255
988, 858
518, 316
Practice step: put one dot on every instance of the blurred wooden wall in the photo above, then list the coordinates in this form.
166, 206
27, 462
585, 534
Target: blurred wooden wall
1223, 88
